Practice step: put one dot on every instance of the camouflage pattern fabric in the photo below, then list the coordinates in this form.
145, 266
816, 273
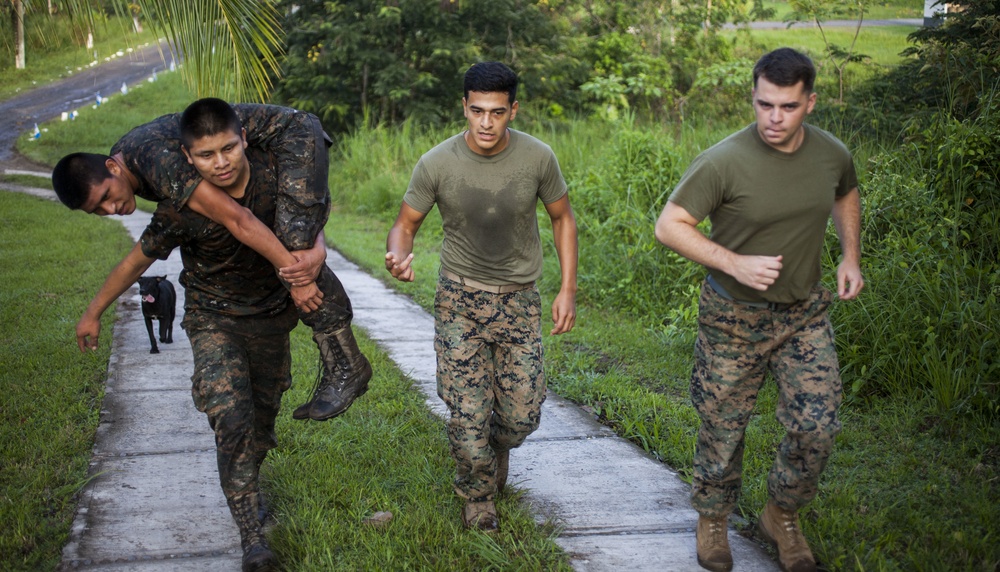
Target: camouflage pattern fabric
489, 373
736, 346
335, 311
242, 366
300, 144
220, 274
152, 152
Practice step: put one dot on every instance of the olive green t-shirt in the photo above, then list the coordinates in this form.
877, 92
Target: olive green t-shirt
762, 201
488, 205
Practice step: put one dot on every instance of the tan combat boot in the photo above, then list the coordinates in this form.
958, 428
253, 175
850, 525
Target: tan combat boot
481, 516
713, 544
781, 528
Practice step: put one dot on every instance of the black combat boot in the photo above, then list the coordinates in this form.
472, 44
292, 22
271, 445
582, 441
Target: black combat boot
341, 386
302, 411
257, 556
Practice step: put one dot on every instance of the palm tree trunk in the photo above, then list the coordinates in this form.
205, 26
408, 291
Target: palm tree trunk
17, 15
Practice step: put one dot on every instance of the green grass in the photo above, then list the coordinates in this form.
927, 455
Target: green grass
876, 10
50, 394
43, 65
387, 453
96, 130
908, 487
27, 181
882, 44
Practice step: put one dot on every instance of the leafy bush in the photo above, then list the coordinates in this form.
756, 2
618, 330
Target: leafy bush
616, 202
926, 325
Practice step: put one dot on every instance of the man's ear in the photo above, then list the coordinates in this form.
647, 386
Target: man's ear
112, 167
186, 154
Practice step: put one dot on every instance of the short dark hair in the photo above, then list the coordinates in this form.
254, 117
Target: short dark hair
785, 67
75, 174
206, 117
491, 77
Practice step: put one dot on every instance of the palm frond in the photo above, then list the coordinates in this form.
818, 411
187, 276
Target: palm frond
229, 48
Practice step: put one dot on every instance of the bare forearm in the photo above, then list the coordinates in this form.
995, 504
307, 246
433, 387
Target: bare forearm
565, 236
847, 220
121, 278
399, 241
691, 243
251, 232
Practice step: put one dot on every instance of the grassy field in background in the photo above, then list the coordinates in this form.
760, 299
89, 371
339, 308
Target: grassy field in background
886, 9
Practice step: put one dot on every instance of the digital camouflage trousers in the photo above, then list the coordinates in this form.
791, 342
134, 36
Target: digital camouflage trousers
736, 346
489, 373
242, 366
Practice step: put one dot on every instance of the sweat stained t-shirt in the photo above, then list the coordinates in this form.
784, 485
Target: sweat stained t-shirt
488, 205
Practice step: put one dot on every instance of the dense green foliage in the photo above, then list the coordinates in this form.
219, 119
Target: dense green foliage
369, 61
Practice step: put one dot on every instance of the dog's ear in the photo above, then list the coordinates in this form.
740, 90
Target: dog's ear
161, 278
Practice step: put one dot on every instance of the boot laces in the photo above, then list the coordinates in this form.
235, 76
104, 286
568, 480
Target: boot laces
716, 531
791, 526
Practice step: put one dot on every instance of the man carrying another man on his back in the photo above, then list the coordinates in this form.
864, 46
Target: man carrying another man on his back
237, 316
147, 162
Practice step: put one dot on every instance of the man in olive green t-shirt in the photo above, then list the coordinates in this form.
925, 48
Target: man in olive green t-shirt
768, 191
486, 183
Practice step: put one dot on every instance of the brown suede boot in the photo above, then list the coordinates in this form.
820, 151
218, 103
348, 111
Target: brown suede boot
257, 556
503, 467
781, 528
712, 537
346, 372
481, 515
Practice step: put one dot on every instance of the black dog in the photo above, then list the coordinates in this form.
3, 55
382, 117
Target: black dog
158, 303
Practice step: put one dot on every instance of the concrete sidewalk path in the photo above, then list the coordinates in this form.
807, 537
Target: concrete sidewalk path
154, 503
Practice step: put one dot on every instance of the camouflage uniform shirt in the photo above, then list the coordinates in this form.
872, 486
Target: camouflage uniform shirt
152, 152
221, 275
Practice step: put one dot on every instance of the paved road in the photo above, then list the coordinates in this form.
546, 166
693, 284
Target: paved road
23, 111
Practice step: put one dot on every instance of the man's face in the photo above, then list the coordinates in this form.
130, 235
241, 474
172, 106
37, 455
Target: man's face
112, 196
780, 113
488, 115
219, 158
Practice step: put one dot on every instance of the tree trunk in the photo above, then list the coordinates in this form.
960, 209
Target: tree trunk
18, 20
